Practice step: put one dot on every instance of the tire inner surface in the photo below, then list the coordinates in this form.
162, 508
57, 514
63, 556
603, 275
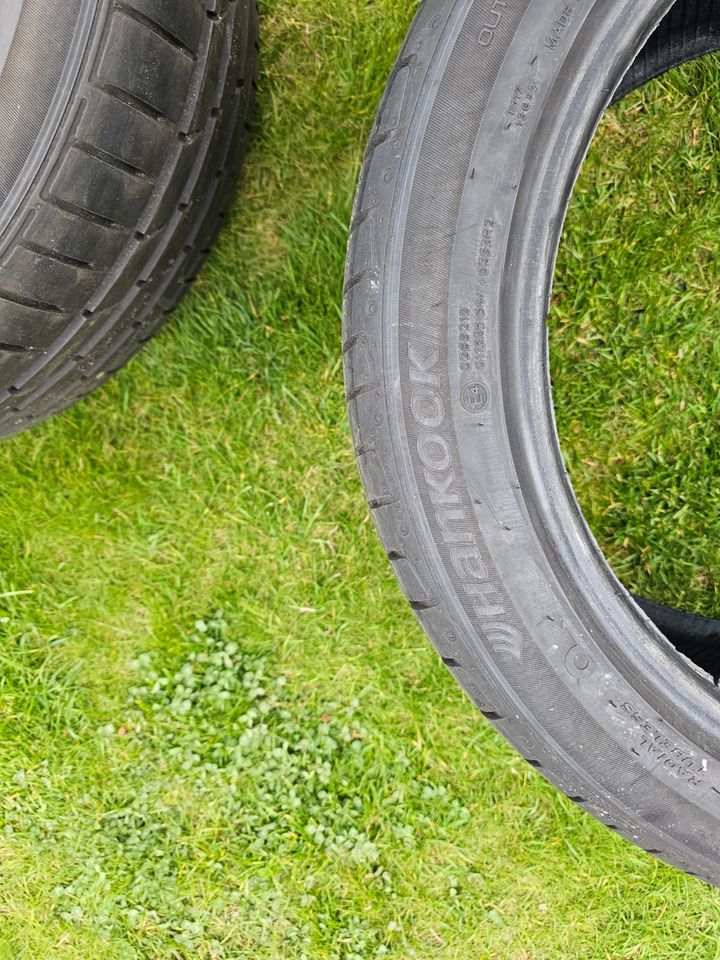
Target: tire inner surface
9, 16
689, 30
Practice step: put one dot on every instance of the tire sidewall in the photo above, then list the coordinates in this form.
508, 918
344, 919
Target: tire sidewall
459, 450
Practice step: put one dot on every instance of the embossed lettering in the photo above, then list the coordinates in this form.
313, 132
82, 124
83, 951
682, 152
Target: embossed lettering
446, 516
451, 513
505, 638
482, 592
420, 367
440, 487
654, 743
559, 27
492, 22
427, 407
468, 563
434, 452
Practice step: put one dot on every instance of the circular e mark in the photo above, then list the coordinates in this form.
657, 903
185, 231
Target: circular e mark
474, 397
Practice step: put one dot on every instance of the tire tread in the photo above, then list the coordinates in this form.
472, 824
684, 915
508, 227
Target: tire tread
132, 201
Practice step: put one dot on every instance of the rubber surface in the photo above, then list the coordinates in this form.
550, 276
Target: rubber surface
485, 122
122, 126
9, 16
698, 638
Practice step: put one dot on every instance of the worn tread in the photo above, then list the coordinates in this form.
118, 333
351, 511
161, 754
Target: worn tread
151, 189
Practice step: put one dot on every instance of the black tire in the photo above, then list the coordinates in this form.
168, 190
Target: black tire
122, 126
484, 125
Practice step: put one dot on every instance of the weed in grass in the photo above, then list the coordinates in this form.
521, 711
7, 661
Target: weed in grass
225, 750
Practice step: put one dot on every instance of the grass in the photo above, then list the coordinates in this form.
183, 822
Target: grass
637, 364
298, 776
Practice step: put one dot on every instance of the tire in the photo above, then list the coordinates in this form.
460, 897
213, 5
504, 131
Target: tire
487, 117
134, 120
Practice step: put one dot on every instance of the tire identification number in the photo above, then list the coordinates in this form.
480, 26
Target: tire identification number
651, 742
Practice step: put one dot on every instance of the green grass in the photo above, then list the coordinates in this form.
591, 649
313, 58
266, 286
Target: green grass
637, 364
299, 777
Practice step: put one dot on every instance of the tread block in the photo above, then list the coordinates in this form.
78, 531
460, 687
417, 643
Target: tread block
124, 132
206, 98
103, 190
31, 275
13, 365
157, 218
29, 327
73, 237
183, 22
146, 67
360, 367
419, 594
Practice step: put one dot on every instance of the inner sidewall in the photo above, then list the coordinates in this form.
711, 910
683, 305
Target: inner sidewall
49, 44
607, 329
9, 17
596, 65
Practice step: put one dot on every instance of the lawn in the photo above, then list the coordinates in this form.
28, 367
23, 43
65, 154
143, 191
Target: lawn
222, 734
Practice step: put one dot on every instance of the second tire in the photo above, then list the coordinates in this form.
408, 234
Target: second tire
123, 124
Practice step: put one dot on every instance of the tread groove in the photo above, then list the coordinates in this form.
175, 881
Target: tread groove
403, 64
364, 448
424, 605
360, 219
357, 278
15, 348
130, 100
31, 302
69, 207
381, 502
154, 27
378, 140
359, 391
92, 151
44, 251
